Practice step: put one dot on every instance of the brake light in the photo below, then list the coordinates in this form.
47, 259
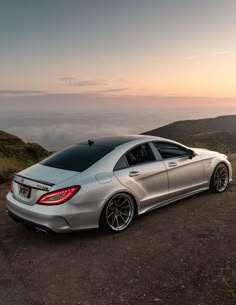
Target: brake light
11, 187
59, 196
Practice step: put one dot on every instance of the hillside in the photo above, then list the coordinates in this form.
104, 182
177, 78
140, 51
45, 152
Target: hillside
9, 139
16, 155
216, 140
213, 133
186, 128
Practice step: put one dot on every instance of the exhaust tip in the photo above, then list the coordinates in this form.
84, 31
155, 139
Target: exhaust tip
40, 230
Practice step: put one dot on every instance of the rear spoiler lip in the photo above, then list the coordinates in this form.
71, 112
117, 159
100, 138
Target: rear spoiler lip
37, 184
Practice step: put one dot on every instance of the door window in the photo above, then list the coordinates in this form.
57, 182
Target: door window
121, 164
170, 150
139, 155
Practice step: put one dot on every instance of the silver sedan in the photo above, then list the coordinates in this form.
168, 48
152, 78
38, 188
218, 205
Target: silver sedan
106, 182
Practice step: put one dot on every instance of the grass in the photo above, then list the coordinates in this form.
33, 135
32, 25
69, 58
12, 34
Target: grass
11, 165
219, 147
219, 141
15, 157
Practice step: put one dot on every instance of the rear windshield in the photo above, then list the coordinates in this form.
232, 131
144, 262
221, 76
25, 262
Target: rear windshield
77, 157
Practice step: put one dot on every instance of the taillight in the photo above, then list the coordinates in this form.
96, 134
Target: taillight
11, 187
59, 196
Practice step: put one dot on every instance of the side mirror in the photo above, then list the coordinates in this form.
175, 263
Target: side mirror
191, 154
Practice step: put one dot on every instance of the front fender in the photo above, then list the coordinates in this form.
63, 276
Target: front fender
214, 163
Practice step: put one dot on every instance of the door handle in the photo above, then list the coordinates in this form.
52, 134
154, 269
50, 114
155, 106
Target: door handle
172, 164
134, 173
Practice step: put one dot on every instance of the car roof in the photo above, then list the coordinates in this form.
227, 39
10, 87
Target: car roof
112, 141
116, 141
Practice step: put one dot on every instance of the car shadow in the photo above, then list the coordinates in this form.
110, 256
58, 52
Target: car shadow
29, 236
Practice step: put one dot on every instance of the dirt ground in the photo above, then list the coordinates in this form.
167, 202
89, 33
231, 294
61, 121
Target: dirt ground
182, 254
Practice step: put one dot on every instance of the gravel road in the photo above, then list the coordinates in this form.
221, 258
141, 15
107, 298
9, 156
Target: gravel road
182, 254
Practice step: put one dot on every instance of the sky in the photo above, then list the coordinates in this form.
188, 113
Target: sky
106, 66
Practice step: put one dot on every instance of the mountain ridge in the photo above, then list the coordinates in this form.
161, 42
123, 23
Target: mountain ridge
212, 133
176, 129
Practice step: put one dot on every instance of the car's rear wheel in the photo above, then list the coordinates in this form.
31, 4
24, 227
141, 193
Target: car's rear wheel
118, 213
220, 178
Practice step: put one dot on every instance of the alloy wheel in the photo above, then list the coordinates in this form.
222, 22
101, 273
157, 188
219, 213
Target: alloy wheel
221, 178
119, 212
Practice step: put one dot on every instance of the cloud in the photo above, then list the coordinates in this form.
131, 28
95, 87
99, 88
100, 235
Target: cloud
74, 82
21, 92
57, 120
113, 90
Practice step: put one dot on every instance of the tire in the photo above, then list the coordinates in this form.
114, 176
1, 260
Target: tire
220, 178
118, 213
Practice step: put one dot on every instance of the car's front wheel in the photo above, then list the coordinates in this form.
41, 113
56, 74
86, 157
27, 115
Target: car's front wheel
118, 213
220, 178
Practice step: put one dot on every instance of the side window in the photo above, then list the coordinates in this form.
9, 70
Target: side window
140, 154
169, 150
122, 163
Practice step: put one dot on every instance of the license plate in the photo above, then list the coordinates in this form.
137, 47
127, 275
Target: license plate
24, 191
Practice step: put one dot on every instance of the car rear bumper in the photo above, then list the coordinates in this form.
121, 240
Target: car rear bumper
45, 219
35, 226
49, 223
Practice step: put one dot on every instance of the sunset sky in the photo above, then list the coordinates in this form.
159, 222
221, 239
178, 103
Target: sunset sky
110, 53
153, 47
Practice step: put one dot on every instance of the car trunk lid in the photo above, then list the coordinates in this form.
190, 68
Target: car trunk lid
30, 184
